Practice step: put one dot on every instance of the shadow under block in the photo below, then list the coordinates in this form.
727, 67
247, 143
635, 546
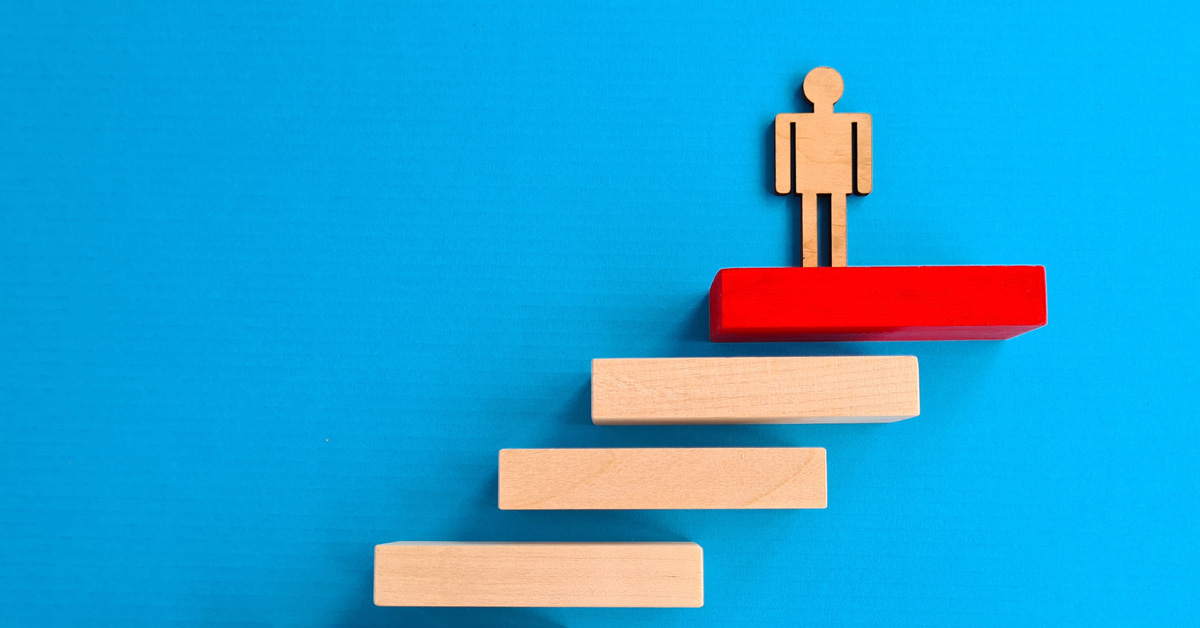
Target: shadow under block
876, 303
539, 574
681, 391
662, 479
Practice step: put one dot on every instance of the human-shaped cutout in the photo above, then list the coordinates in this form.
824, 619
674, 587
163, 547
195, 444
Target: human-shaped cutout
832, 156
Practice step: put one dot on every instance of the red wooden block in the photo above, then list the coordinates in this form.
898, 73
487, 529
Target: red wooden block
876, 303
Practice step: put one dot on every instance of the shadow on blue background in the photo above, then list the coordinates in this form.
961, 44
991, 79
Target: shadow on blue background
278, 282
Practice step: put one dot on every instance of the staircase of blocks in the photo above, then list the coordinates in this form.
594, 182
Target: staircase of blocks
817, 153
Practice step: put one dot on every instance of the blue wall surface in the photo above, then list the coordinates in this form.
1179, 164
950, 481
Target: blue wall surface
278, 281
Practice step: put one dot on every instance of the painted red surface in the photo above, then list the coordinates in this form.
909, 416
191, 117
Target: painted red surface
876, 303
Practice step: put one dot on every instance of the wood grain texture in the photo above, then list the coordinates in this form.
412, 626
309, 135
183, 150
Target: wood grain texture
539, 574
662, 479
876, 303
658, 391
829, 153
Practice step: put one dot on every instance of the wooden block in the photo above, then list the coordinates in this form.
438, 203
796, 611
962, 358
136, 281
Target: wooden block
876, 303
660, 391
662, 479
838, 254
830, 153
539, 574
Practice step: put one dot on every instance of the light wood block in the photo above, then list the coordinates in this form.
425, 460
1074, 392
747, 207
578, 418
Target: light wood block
660, 391
539, 574
662, 479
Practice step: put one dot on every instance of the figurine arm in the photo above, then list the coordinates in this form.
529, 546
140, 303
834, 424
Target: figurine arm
862, 185
783, 153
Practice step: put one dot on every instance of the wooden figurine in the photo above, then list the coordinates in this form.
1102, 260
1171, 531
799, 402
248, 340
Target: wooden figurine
831, 155
539, 574
695, 391
662, 479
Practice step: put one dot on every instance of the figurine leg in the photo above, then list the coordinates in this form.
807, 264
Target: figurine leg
808, 229
837, 230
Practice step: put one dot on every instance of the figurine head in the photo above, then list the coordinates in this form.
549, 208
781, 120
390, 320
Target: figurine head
822, 87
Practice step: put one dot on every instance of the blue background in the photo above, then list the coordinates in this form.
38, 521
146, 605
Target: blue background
278, 281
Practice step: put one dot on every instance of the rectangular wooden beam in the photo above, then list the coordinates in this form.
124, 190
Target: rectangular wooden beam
662, 391
539, 574
662, 479
876, 303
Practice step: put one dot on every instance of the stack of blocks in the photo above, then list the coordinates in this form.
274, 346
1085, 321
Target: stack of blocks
817, 153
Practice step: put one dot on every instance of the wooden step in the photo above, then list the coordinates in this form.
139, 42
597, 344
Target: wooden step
662, 479
876, 303
675, 391
539, 574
